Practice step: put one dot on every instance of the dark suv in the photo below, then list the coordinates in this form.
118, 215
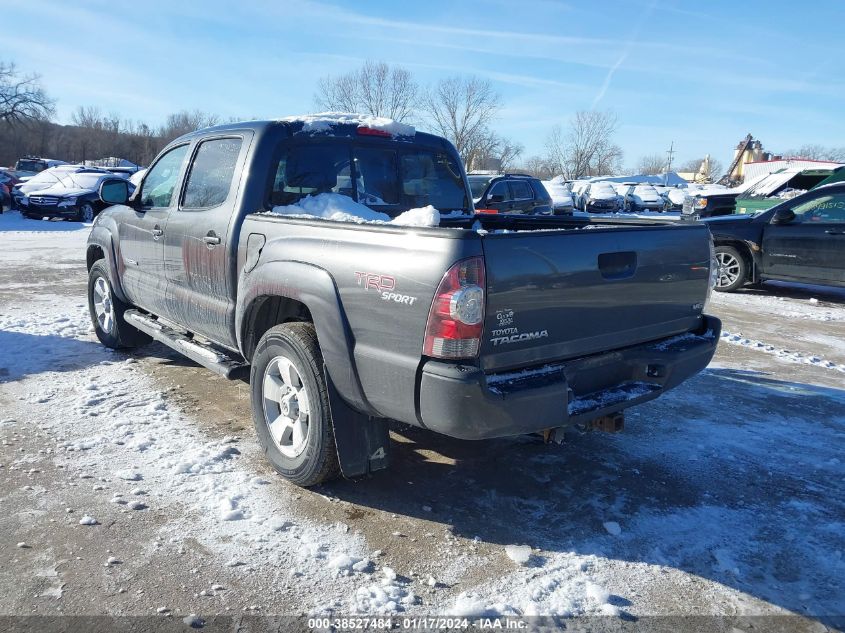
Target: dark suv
510, 193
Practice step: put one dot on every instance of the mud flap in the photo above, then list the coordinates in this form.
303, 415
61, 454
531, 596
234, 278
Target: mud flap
363, 443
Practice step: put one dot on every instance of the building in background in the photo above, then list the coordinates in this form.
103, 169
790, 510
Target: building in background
756, 169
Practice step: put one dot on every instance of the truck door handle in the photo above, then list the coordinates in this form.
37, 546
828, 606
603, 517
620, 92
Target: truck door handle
832, 232
211, 239
157, 232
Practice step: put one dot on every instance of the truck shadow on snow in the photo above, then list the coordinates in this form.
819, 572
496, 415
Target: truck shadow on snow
736, 477
13, 221
24, 354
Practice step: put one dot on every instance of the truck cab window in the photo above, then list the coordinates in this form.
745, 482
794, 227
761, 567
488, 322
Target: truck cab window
160, 181
376, 173
311, 170
211, 174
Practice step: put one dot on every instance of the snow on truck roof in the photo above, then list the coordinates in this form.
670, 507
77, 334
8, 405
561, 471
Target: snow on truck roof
324, 121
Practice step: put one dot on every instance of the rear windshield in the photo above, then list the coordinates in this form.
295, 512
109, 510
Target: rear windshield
30, 165
477, 184
389, 179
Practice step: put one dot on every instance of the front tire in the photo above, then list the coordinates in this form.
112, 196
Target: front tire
107, 310
733, 269
290, 405
85, 213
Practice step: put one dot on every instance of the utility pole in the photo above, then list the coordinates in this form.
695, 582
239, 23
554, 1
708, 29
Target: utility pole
670, 154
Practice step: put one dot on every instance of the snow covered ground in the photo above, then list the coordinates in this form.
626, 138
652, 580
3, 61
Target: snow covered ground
131, 484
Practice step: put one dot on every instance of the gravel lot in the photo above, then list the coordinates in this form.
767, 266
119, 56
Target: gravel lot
724, 497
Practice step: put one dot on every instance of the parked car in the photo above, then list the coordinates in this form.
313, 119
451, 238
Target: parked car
74, 197
514, 193
577, 188
642, 197
8, 179
35, 164
5, 197
802, 239
342, 325
600, 197
478, 184
45, 180
563, 202
673, 197
709, 202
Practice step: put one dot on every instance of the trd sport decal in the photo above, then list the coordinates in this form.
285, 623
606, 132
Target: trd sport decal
385, 286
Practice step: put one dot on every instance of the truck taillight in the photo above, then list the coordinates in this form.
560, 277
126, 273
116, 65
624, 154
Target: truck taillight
456, 318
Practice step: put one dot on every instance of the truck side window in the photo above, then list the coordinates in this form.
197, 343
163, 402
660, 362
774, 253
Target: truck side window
500, 189
824, 209
160, 181
521, 190
211, 174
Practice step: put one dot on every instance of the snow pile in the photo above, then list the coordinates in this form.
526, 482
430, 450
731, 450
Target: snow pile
388, 596
782, 354
323, 122
562, 587
519, 554
340, 208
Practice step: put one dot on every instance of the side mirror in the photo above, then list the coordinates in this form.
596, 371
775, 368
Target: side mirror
783, 216
114, 191
496, 198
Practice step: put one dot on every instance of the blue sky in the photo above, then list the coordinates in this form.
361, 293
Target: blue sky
699, 74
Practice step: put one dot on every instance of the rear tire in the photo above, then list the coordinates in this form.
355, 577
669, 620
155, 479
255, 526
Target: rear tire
107, 310
290, 405
733, 269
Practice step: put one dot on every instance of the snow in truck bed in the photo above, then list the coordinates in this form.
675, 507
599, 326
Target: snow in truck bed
340, 208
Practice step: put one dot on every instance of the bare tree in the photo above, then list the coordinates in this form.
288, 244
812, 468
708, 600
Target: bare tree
538, 166
817, 152
488, 150
651, 165
586, 148
22, 99
185, 122
376, 88
461, 108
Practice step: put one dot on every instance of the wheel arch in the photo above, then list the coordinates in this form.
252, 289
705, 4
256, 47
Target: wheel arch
282, 291
101, 246
746, 250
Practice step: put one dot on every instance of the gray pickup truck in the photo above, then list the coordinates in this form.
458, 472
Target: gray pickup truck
479, 327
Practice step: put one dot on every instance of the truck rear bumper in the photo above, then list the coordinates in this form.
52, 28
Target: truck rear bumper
466, 403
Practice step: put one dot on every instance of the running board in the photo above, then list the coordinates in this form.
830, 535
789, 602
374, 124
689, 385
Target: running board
205, 355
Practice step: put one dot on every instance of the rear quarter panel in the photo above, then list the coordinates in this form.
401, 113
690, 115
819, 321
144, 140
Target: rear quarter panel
385, 278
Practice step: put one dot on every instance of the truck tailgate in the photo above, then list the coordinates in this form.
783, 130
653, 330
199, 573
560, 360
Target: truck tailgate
554, 295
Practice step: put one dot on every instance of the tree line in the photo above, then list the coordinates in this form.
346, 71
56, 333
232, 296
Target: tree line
464, 109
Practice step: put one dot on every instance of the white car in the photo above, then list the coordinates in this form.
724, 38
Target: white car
600, 197
643, 197
563, 201
674, 197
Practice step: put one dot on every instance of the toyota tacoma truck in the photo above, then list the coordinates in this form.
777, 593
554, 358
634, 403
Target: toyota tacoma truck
337, 260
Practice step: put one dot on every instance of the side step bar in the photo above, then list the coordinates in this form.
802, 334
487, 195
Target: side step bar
205, 355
